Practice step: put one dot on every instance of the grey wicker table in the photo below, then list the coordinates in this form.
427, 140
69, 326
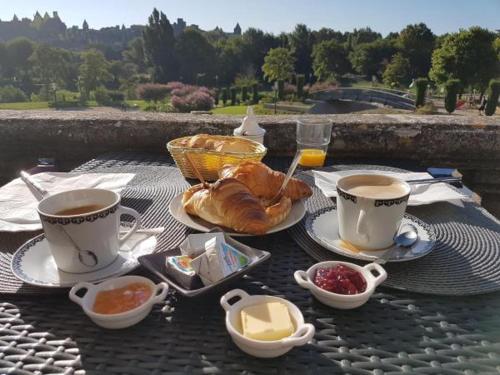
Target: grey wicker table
42, 332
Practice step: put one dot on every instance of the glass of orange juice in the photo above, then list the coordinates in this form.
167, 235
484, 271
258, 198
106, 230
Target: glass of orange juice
313, 138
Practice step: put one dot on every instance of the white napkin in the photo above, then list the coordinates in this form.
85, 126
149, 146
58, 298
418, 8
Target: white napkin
420, 194
18, 205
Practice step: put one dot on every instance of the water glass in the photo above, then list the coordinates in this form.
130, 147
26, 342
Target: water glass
313, 138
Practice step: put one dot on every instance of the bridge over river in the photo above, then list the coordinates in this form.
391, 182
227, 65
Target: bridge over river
393, 98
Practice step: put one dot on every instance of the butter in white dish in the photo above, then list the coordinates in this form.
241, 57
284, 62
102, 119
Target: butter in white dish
194, 244
266, 321
219, 261
179, 267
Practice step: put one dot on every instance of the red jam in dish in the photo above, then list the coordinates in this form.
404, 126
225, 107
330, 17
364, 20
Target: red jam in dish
123, 299
340, 279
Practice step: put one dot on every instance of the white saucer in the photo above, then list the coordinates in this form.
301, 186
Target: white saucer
33, 263
177, 211
322, 227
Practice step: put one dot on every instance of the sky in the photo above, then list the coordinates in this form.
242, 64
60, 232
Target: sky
272, 15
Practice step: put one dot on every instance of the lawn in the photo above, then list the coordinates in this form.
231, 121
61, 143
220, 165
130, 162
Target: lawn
25, 105
45, 105
241, 110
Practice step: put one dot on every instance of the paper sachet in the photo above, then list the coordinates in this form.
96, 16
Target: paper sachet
219, 261
194, 244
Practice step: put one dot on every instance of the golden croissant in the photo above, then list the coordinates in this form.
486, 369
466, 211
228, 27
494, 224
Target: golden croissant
228, 202
227, 144
264, 182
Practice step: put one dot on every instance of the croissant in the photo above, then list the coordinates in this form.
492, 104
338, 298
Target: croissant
263, 182
229, 203
209, 142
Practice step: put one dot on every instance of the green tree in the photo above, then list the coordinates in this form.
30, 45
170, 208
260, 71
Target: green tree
301, 44
421, 84
159, 47
329, 60
19, 51
469, 56
360, 36
229, 59
416, 42
397, 73
94, 71
452, 87
370, 59
51, 65
325, 34
278, 64
4, 60
196, 54
135, 54
253, 47
493, 94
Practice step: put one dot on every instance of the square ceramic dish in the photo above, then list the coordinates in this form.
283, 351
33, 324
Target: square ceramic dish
155, 263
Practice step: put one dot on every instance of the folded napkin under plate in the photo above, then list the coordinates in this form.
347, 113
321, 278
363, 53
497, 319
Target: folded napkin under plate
18, 206
420, 194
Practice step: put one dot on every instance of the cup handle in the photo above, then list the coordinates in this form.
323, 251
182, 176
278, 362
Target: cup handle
76, 288
304, 334
163, 289
361, 228
382, 274
224, 301
137, 217
301, 279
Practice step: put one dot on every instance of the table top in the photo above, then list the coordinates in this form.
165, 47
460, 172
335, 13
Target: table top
395, 332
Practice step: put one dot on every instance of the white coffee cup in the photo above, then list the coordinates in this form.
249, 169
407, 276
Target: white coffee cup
370, 209
87, 241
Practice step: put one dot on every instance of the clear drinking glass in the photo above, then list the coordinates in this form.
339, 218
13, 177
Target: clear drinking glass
313, 138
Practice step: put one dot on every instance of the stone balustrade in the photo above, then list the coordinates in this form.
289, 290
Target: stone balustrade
469, 143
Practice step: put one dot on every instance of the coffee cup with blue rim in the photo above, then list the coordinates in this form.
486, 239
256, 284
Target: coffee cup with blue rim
82, 228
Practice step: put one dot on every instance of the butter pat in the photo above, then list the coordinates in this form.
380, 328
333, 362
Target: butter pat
267, 321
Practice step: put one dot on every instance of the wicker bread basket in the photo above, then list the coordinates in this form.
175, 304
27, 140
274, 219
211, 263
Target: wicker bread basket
208, 162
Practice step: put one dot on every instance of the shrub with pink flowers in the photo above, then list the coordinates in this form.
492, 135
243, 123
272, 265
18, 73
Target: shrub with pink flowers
193, 99
173, 85
152, 91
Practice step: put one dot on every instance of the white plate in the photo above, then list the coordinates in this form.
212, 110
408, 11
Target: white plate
177, 211
33, 263
322, 227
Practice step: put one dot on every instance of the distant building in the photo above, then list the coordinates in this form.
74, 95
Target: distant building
179, 26
237, 29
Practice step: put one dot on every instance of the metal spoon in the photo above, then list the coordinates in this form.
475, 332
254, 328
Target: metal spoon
405, 239
288, 176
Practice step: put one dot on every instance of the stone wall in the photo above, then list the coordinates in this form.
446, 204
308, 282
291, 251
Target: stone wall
470, 144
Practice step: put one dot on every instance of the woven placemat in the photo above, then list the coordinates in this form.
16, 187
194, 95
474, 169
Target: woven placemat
465, 261
150, 191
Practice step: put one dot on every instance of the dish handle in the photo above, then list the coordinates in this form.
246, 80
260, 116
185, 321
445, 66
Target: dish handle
382, 274
302, 279
78, 287
163, 289
224, 301
304, 334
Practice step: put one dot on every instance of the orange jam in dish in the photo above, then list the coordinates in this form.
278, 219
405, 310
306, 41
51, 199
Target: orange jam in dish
122, 299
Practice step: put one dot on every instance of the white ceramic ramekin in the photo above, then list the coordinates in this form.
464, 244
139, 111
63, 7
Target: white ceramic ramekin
124, 319
304, 332
342, 301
